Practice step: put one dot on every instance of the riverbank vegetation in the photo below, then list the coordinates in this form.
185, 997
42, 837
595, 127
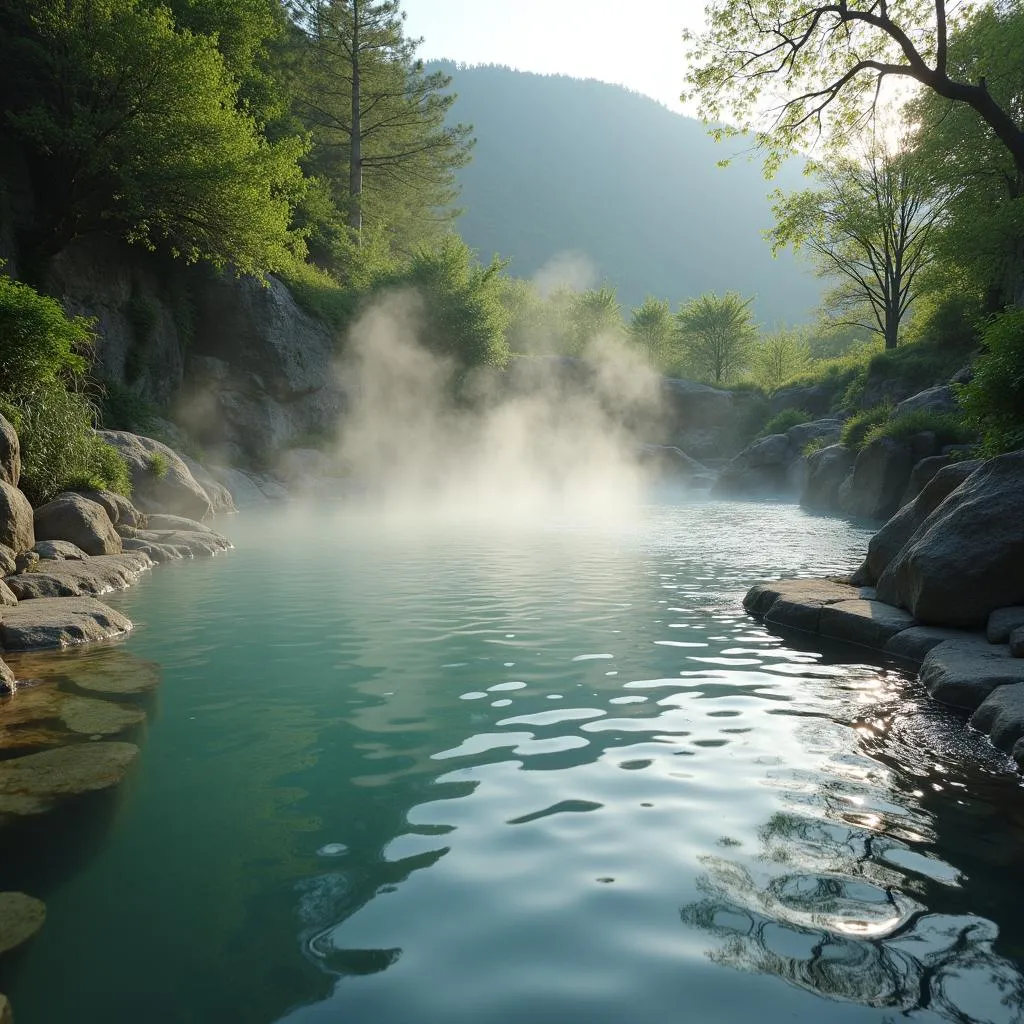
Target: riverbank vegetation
310, 142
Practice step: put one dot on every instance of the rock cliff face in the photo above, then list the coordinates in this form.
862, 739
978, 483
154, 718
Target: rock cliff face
238, 362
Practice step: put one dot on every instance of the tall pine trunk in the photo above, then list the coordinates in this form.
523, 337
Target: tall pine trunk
355, 168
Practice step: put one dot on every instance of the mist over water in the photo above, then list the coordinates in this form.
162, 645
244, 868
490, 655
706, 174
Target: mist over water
516, 447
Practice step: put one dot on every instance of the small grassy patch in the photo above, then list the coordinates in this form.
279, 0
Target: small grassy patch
781, 422
948, 427
158, 464
858, 426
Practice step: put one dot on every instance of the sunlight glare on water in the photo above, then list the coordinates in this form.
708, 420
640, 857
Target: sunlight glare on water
552, 774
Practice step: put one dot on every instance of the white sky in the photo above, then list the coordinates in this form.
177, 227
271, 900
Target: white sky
636, 44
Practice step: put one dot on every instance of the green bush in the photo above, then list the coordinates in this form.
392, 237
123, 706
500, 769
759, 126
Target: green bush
158, 464
782, 421
38, 343
994, 399
319, 294
59, 449
120, 408
948, 427
857, 427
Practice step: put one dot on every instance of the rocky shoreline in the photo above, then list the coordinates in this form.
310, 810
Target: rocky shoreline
941, 589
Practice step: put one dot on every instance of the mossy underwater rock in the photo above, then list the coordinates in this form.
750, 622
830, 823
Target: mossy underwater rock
109, 670
32, 784
21, 917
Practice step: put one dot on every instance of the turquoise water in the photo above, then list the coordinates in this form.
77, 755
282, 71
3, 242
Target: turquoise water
457, 776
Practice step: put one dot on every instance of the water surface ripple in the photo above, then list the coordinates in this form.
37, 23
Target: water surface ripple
430, 776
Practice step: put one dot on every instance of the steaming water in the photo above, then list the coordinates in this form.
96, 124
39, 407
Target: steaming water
451, 776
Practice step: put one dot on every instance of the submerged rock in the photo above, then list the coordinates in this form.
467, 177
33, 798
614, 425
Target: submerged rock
33, 783
83, 522
43, 715
58, 622
21, 917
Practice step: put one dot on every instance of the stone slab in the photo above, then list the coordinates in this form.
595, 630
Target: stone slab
87, 577
962, 673
869, 623
913, 644
58, 622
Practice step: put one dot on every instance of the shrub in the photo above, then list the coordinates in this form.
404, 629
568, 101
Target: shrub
994, 399
782, 421
59, 449
38, 343
816, 444
158, 464
120, 408
319, 294
856, 428
948, 427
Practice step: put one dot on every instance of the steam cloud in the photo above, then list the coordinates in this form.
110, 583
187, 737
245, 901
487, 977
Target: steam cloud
531, 445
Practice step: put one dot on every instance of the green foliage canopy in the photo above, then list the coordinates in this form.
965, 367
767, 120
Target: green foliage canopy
717, 333
651, 328
132, 126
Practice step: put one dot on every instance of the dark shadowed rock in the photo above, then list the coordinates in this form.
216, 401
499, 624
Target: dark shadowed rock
161, 482
1017, 642
16, 529
58, 622
966, 559
58, 550
827, 468
759, 469
795, 604
815, 399
936, 400
869, 623
880, 476
887, 543
826, 431
83, 522
913, 644
1002, 622
922, 473
962, 673
1001, 716
10, 454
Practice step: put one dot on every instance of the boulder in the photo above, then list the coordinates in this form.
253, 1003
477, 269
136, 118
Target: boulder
219, 495
10, 454
83, 522
193, 544
869, 623
1017, 642
922, 473
889, 541
966, 558
8, 599
827, 468
881, 473
826, 430
168, 522
962, 673
26, 561
815, 399
21, 917
16, 529
1001, 716
161, 482
1002, 622
8, 560
32, 784
159, 553
8, 681
120, 510
58, 550
913, 644
58, 622
759, 469
935, 400
89, 578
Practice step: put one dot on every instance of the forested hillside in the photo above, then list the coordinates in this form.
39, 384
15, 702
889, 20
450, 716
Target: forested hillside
562, 164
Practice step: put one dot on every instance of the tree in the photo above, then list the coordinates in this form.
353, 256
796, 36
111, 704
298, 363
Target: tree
378, 119
131, 127
830, 61
872, 223
780, 356
652, 329
716, 332
592, 314
981, 246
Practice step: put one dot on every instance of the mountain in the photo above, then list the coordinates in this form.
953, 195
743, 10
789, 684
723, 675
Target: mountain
564, 165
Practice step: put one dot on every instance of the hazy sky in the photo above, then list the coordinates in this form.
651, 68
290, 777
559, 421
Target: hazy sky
635, 44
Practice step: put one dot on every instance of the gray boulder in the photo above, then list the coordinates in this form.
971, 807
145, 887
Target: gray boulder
83, 522
962, 673
161, 482
16, 529
827, 468
219, 495
58, 550
815, 399
89, 578
881, 473
59, 622
913, 644
1001, 716
1002, 622
8, 560
936, 400
869, 623
10, 454
825, 430
120, 510
887, 543
8, 682
966, 558
759, 469
8, 599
